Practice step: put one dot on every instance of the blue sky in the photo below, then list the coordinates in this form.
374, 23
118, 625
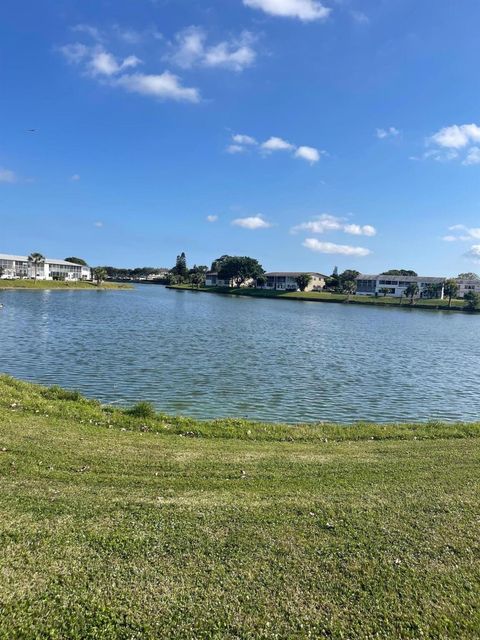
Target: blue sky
305, 134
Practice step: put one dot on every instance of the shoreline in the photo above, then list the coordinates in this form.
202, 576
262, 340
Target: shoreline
329, 298
127, 524
143, 412
52, 285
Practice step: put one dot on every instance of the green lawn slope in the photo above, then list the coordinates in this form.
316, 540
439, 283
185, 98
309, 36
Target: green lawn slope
57, 284
320, 296
128, 524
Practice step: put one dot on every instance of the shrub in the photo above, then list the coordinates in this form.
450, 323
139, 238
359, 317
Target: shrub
142, 410
472, 300
57, 393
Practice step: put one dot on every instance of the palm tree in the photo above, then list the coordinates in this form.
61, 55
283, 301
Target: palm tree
385, 291
451, 290
349, 287
36, 259
412, 291
99, 274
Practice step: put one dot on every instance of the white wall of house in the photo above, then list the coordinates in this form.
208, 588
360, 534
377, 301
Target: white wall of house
396, 285
287, 281
19, 267
466, 286
212, 280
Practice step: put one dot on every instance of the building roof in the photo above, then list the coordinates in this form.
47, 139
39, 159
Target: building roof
383, 276
6, 256
293, 274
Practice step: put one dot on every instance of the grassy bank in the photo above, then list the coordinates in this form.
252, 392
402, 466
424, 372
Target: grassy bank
121, 524
53, 284
318, 296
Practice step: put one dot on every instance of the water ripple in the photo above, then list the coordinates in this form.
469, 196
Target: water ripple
210, 356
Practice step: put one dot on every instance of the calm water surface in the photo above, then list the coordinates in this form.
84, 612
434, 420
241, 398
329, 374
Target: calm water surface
211, 356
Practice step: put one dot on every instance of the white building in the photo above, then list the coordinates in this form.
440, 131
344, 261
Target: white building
395, 286
467, 286
14, 267
212, 280
287, 280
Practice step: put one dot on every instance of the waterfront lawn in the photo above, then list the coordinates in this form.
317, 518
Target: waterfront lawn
320, 296
132, 525
57, 284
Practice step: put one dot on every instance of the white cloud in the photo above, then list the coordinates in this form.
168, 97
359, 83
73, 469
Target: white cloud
310, 154
326, 222
390, 132
191, 50
277, 144
465, 233
212, 218
358, 230
473, 156
101, 64
75, 177
130, 36
449, 142
89, 30
473, 253
74, 53
165, 86
98, 224
252, 222
441, 155
329, 247
243, 139
306, 10
235, 148
456, 136
274, 143
7, 176
104, 63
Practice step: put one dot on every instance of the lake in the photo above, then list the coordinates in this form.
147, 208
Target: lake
209, 356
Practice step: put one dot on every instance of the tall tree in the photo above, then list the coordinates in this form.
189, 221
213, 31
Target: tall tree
451, 290
180, 269
36, 259
468, 276
412, 291
400, 272
79, 261
216, 264
240, 269
303, 280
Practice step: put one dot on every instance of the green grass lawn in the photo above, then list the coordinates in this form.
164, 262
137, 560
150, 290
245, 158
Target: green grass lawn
319, 296
115, 525
53, 284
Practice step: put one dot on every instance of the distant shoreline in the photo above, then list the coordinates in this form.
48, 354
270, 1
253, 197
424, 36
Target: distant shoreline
317, 296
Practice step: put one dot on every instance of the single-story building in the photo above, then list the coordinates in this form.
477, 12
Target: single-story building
14, 267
